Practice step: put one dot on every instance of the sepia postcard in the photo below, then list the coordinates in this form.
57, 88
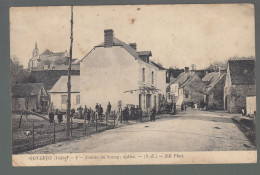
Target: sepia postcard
133, 84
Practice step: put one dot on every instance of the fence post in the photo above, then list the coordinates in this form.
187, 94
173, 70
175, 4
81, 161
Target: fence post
33, 136
20, 121
114, 118
53, 131
96, 121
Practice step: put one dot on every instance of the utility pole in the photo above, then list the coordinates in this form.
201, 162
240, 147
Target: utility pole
69, 78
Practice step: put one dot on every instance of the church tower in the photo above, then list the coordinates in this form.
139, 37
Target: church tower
35, 50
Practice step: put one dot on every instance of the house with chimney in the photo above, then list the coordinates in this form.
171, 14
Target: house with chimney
48, 60
239, 84
116, 72
214, 89
187, 88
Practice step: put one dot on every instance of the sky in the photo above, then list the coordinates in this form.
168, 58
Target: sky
177, 35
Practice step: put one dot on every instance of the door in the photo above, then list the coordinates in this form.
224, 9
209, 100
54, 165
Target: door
148, 100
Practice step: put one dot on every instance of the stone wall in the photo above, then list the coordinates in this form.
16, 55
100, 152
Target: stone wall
216, 96
237, 98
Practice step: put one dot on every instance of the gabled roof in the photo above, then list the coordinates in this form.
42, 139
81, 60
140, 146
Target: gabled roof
214, 83
183, 78
117, 42
58, 54
61, 84
22, 90
158, 66
49, 77
242, 72
144, 53
46, 52
210, 77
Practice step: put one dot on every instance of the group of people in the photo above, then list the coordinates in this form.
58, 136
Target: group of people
134, 112
183, 107
52, 115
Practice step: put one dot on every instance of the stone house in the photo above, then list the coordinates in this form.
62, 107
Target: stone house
59, 95
115, 72
31, 96
240, 83
187, 87
214, 90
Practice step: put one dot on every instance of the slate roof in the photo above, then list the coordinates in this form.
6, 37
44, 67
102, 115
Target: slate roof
214, 82
129, 49
49, 77
61, 84
242, 72
210, 77
22, 90
117, 42
46, 52
183, 78
58, 54
158, 66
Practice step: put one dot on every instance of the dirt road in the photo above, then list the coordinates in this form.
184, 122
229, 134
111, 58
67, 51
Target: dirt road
189, 130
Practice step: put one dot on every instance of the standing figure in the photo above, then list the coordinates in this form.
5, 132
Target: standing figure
109, 107
125, 115
132, 110
97, 106
185, 107
100, 111
85, 111
51, 117
88, 114
60, 117
182, 106
80, 109
152, 114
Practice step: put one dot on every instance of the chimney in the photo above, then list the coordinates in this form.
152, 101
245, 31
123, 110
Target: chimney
133, 45
186, 69
108, 39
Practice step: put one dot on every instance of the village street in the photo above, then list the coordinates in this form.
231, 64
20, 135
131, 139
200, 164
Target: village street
190, 130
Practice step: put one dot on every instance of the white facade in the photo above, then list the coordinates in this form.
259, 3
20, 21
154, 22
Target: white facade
251, 105
58, 93
113, 74
59, 102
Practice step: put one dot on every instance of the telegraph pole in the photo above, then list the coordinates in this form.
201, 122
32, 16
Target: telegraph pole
69, 78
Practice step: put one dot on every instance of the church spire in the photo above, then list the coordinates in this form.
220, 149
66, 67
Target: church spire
35, 50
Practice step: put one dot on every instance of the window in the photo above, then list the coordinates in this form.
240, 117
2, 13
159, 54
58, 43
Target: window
152, 78
64, 99
78, 99
143, 75
147, 59
186, 95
